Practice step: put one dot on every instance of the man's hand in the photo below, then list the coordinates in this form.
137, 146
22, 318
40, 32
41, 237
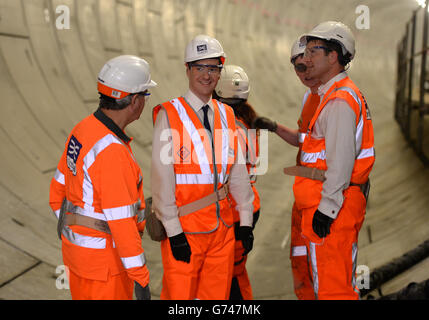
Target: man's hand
265, 123
245, 234
180, 247
142, 293
321, 224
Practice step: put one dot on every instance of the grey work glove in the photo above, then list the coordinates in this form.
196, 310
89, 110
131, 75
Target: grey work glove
142, 293
321, 224
265, 123
180, 247
245, 234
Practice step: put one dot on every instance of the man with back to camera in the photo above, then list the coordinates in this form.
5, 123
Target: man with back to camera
97, 190
190, 189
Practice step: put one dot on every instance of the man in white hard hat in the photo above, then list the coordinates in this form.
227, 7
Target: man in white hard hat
190, 188
97, 190
233, 89
298, 253
336, 159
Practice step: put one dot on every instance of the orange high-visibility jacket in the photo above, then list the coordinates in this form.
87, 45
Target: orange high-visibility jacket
251, 150
194, 159
99, 175
313, 153
309, 106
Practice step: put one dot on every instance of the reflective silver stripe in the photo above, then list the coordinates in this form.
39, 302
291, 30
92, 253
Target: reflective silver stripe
85, 212
353, 94
366, 153
359, 128
133, 262
89, 159
183, 178
359, 134
313, 260
120, 212
189, 178
301, 137
59, 177
311, 157
57, 213
83, 241
225, 140
299, 251
195, 136
354, 259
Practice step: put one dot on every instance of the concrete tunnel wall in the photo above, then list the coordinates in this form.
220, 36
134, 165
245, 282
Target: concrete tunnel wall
48, 83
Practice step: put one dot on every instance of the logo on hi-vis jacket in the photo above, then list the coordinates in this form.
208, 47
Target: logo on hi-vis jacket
368, 114
183, 153
73, 150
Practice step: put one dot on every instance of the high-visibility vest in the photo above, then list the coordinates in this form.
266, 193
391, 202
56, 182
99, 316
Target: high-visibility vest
100, 177
307, 191
309, 106
250, 140
199, 169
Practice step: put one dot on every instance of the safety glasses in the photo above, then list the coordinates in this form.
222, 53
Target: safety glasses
210, 68
300, 67
311, 52
145, 93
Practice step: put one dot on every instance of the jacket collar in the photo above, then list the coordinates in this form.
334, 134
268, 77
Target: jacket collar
111, 125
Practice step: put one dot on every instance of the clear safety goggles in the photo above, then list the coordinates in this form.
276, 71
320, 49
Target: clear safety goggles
300, 67
210, 68
311, 52
145, 93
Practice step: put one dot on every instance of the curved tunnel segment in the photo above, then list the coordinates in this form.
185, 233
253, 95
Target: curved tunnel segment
50, 55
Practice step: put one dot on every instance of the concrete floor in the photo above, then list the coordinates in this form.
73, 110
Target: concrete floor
48, 83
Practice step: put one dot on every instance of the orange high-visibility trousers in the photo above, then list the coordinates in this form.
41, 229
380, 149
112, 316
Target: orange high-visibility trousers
303, 285
333, 259
117, 287
240, 287
243, 287
209, 273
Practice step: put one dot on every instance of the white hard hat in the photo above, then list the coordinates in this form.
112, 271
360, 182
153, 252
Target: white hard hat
333, 30
124, 75
233, 83
204, 47
297, 49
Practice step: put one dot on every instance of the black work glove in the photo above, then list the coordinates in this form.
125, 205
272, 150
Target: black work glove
180, 247
245, 234
321, 224
265, 123
141, 293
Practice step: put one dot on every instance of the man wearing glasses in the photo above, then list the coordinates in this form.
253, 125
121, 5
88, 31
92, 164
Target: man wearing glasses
194, 167
332, 182
298, 253
97, 190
